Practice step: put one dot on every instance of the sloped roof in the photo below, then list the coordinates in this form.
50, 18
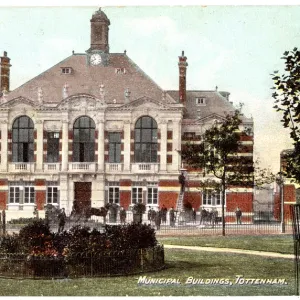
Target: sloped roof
215, 103
87, 79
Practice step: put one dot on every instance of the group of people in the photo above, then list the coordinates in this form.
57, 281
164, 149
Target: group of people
159, 216
156, 217
207, 216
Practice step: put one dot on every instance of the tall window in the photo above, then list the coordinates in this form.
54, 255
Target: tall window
28, 194
22, 140
137, 195
114, 151
211, 197
145, 147
14, 194
152, 193
84, 140
52, 147
52, 194
22, 192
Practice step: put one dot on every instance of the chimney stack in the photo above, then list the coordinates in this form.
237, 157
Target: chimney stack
4, 72
182, 78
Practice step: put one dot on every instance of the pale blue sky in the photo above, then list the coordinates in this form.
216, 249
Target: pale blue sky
232, 47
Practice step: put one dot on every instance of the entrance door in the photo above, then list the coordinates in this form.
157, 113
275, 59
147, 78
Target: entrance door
82, 195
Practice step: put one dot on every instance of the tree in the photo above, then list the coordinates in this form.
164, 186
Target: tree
218, 154
286, 95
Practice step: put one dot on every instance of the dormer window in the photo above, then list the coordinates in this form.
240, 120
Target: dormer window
200, 101
66, 70
120, 70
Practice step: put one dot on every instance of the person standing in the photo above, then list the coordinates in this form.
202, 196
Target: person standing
172, 217
61, 220
164, 214
181, 180
158, 219
238, 214
122, 215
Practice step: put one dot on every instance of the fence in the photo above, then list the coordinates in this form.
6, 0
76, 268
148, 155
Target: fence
295, 211
185, 224
130, 261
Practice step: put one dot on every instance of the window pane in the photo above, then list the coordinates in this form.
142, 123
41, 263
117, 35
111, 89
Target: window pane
84, 140
137, 135
117, 195
146, 122
146, 140
15, 135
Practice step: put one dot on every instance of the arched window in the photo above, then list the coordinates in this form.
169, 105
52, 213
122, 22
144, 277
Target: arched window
23, 140
84, 140
145, 141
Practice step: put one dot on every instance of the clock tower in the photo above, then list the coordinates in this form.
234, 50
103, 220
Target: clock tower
99, 32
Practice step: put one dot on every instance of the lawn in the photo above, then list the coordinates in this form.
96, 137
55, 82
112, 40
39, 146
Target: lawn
181, 264
272, 243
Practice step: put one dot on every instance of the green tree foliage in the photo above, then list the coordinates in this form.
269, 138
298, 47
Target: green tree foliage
286, 94
218, 154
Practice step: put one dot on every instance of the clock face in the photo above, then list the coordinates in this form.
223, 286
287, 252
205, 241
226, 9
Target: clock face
95, 59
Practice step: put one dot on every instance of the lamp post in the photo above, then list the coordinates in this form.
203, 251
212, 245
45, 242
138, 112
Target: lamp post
281, 183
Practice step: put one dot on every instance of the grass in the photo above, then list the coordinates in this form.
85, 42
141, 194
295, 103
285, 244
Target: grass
181, 264
272, 243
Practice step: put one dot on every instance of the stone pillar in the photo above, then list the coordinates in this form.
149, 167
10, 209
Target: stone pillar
176, 161
4, 145
39, 145
65, 146
163, 145
101, 146
98, 191
64, 193
127, 145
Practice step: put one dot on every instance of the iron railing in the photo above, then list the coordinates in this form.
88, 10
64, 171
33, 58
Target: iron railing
110, 263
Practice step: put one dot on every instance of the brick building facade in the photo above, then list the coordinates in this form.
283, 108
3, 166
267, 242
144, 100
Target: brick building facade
95, 128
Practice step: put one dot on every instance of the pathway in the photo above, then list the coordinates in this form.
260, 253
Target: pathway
230, 250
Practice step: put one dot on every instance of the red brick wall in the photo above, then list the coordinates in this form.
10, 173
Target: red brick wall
289, 193
169, 199
287, 212
3, 199
194, 198
169, 183
243, 200
3, 194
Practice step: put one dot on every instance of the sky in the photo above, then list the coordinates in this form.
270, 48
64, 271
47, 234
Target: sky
233, 47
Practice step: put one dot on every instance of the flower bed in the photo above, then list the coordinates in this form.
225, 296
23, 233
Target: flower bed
81, 252
14, 265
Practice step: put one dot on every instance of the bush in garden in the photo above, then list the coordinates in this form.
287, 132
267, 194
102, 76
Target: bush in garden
116, 248
35, 234
10, 244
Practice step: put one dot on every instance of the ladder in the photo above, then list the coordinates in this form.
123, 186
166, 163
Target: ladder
179, 209
179, 205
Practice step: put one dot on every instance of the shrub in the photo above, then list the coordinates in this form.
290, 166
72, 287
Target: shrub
35, 234
139, 208
10, 244
117, 247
